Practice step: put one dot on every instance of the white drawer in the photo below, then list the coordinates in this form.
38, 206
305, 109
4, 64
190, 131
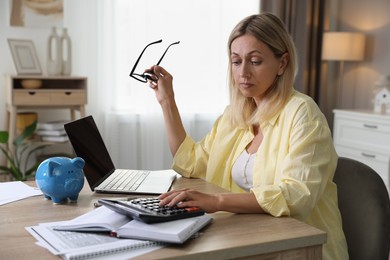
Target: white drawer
362, 132
377, 161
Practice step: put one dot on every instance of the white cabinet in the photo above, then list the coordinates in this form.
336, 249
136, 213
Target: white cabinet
365, 137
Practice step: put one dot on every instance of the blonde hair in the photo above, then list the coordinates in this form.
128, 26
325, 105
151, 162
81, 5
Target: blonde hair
270, 30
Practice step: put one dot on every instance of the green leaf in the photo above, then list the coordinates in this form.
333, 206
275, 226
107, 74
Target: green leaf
4, 136
16, 172
7, 154
13, 168
5, 169
27, 133
22, 152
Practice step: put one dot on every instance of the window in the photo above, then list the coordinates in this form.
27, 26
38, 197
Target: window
198, 64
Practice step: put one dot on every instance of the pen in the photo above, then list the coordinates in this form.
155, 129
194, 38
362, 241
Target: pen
96, 204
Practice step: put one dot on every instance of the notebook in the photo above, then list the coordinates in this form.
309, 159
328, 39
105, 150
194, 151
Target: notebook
99, 170
103, 219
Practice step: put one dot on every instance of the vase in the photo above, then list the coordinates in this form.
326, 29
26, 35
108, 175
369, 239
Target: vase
66, 52
54, 60
24, 119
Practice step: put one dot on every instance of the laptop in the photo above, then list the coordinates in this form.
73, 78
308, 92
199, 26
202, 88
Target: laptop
99, 170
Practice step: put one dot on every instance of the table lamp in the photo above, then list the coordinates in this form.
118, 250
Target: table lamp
343, 46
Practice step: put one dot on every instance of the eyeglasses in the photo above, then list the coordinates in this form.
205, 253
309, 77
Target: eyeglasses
144, 77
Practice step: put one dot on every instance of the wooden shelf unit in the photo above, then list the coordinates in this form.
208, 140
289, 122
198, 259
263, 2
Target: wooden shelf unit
56, 92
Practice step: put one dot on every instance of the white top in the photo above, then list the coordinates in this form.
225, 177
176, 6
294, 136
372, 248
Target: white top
242, 170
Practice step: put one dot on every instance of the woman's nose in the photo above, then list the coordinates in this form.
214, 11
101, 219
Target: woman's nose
244, 70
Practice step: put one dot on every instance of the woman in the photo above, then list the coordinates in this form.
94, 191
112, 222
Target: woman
272, 147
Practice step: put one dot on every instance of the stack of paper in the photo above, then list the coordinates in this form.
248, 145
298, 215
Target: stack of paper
52, 131
77, 245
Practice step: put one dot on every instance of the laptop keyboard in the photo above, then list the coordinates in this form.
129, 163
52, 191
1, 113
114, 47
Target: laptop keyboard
124, 180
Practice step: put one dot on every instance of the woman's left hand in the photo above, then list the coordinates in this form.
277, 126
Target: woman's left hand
190, 198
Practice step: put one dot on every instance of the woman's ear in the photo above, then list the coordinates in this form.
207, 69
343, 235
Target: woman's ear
283, 63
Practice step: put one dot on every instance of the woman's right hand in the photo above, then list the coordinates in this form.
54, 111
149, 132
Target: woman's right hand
161, 83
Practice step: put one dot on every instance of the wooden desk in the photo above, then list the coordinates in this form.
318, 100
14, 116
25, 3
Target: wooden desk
244, 236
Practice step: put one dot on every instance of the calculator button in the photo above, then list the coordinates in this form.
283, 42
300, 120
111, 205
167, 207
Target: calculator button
149, 211
192, 209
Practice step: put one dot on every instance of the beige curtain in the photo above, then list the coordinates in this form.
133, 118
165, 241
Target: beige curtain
305, 21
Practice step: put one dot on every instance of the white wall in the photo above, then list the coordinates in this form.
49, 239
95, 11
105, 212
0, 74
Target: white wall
80, 17
372, 18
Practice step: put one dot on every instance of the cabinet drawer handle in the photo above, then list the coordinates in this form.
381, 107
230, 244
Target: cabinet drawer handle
369, 155
31, 93
370, 126
68, 93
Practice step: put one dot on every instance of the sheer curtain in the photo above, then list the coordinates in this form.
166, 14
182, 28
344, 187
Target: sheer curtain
304, 20
134, 129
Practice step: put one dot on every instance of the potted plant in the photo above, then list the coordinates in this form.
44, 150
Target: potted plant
17, 159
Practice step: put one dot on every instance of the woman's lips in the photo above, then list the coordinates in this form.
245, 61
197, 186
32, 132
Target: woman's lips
246, 85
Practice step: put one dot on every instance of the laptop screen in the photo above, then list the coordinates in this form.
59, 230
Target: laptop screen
88, 144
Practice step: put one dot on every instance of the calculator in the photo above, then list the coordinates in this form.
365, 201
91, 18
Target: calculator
147, 210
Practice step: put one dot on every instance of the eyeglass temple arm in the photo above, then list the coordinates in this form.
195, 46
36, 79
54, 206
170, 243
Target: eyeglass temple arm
158, 63
136, 63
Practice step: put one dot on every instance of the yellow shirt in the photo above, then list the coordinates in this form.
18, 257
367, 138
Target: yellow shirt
293, 169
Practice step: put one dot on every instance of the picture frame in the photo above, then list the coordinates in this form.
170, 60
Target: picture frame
25, 57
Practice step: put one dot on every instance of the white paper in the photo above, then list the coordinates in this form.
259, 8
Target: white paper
100, 215
16, 190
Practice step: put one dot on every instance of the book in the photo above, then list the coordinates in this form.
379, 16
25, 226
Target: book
48, 138
44, 132
103, 219
52, 125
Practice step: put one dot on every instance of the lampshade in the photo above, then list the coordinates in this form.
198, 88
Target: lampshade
343, 46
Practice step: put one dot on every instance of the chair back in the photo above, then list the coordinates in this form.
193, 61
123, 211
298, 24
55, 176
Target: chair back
365, 209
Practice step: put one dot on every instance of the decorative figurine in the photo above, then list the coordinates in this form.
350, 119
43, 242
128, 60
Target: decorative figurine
382, 95
382, 101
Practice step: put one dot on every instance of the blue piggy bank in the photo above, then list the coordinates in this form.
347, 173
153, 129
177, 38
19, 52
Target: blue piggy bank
60, 178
